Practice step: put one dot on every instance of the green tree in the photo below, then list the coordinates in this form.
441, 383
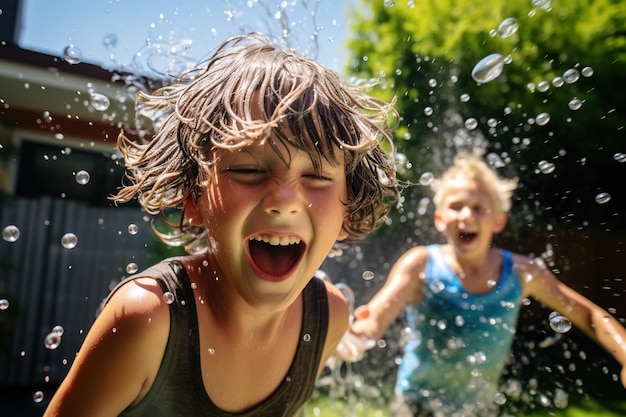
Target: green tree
424, 53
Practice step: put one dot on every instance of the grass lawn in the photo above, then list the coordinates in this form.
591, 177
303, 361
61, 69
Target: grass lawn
323, 407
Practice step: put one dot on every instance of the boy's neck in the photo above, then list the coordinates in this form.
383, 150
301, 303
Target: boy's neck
479, 270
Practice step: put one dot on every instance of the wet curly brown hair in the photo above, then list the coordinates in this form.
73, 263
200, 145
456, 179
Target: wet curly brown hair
295, 102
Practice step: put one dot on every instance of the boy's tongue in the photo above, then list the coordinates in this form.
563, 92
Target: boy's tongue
273, 260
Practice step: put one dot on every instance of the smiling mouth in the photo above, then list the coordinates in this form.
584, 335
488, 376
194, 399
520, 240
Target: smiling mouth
272, 257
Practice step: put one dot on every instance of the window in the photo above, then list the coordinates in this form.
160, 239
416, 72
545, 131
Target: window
49, 170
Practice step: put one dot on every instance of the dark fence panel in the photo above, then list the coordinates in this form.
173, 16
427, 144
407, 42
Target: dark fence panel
48, 284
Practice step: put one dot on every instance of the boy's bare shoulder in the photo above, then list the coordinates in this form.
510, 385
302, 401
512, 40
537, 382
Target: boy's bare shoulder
338, 305
138, 297
121, 354
137, 311
415, 256
523, 263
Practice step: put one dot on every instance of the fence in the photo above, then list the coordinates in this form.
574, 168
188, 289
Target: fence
48, 284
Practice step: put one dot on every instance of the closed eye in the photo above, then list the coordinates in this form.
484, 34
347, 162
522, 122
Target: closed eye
251, 175
252, 170
319, 177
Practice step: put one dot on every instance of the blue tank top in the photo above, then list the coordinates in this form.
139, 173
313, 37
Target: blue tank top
459, 342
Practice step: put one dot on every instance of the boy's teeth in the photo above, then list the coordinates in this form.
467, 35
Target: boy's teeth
277, 240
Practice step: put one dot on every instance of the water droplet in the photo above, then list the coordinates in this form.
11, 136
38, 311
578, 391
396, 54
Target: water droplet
109, 40
575, 104
499, 398
82, 177
571, 76
38, 396
543, 86
488, 68
367, 275
58, 330
52, 341
508, 27
10, 233
471, 123
133, 229
428, 111
131, 268
306, 337
559, 323
69, 240
72, 54
4, 304
168, 297
603, 198
427, 178
558, 82
542, 4
542, 119
619, 157
546, 167
99, 102
436, 286
561, 398
211, 351
382, 176
494, 160
587, 72
389, 3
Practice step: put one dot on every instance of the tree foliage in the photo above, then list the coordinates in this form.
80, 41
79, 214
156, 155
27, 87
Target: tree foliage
424, 52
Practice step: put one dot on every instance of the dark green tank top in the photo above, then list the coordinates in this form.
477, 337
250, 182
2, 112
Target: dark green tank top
178, 389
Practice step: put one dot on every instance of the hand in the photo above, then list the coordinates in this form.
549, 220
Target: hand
352, 348
623, 376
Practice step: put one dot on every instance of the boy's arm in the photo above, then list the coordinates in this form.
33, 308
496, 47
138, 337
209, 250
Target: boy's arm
403, 286
592, 319
338, 318
124, 344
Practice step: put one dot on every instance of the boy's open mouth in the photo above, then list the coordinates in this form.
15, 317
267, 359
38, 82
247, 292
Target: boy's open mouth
274, 257
467, 237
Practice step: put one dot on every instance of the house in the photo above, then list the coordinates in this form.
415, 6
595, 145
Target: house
64, 242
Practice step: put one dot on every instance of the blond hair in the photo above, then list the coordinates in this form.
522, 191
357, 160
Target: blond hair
473, 167
294, 100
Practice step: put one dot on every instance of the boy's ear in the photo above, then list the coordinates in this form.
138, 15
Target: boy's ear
500, 223
440, 225
343, 234
192, 212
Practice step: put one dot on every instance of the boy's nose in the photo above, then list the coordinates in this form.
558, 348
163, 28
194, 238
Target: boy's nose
282, 198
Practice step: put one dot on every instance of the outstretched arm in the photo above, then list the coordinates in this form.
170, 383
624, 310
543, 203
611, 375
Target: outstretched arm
403, 286
592, 319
